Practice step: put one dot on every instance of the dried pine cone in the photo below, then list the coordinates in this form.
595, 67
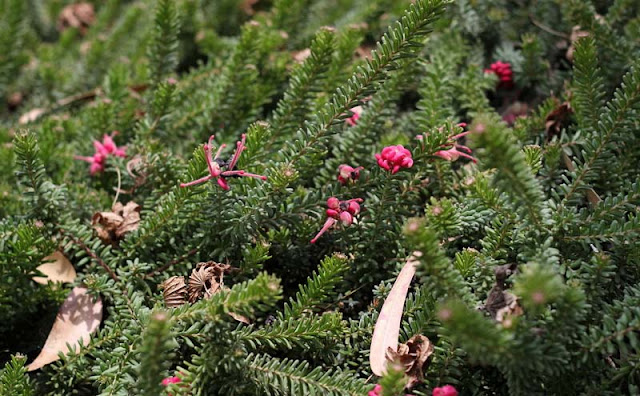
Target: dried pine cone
174, 291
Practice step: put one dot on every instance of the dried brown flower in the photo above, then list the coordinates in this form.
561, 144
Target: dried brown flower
78, 15
112, 226
412, 356
500, 303
174, 291
557, 119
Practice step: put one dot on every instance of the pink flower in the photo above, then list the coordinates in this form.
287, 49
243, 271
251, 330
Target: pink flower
353, 120
348, 174
392, 158
103, 150
456, 150
220, 169
171, 380
343, 211
446, 390
504, 73
377, 391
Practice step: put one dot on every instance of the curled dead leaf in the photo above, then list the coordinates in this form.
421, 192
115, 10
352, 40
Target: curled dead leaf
576, 34
239, 318
387, 329
78, 317
174, 291
57, 269
112, 226
502, 304
412, 356
206, 280
78, 15
557, 119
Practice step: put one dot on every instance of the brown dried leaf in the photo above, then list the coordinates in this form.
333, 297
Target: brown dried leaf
174, 291
412, 356
576, 34
247, 6
78, 15
78, 317
510, 309
500, 303
58, 270
112, 226
557, 119
387, 329
239, 318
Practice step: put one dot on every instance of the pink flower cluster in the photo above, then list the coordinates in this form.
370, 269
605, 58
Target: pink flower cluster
342, 211
456, 150
103, 151
220, 169
393, 158
446, 390
504, 73
377, 391
348, 173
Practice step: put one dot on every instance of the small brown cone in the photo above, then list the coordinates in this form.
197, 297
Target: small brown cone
174, 291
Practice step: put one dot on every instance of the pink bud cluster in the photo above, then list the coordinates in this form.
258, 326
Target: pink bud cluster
377, 391
339, 211
454, 150
504, 73
348, 173
393, 158
446, 390
103, 151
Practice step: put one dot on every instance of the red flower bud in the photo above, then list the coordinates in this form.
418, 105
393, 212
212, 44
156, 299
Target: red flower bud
446, 390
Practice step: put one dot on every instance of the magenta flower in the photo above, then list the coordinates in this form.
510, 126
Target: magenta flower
103, 151
348, 174
446, 390
171, 380
377, 391
342, 211
456, 150
353, 120
504, 73
392, 158
220, 169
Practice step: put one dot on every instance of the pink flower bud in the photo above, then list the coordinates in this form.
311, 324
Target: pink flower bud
446, 390
171, 380
347, 173
333, 203
346, 218
353, 120
333, 213
504, 73
354, 208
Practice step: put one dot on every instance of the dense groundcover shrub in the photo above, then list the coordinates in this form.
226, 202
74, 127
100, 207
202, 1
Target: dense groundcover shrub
528, 276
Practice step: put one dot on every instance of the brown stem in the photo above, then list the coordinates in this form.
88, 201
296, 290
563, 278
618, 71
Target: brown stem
91, 254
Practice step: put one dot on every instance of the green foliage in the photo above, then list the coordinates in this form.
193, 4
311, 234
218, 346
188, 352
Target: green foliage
527, 261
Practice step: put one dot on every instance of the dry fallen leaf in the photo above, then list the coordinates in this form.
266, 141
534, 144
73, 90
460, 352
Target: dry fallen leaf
557, 119
576, 34
79, 15
500, 303
112, 226
78, 317
239, 318
30, 116
58, 270
412, 356
387, 329
174, 291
